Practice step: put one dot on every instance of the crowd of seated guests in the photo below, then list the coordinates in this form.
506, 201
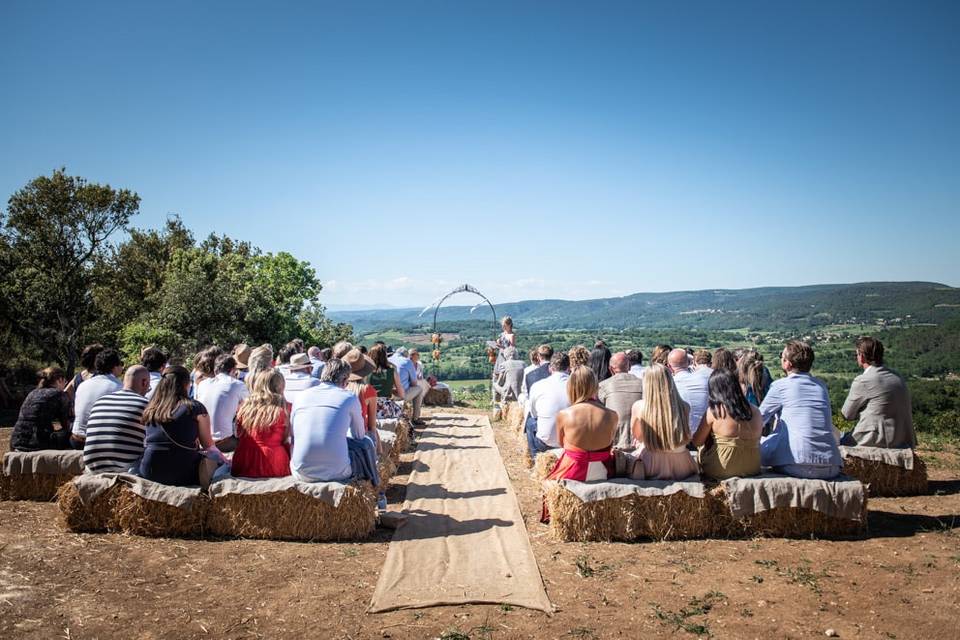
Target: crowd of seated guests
310, 413
720, 413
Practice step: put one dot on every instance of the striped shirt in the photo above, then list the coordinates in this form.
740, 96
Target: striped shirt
114, 432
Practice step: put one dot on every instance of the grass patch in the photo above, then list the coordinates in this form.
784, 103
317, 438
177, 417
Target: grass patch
586, 570
696, 606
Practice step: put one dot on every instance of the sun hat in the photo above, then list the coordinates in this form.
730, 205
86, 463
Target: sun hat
241, 353
300, 361
360, 365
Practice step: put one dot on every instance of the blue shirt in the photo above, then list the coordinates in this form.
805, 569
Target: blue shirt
322, 417
406, 369
804, 433
318, 366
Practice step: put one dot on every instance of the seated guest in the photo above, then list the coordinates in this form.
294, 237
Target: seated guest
43, 406
296, 377
548, 397
702, 361
661, 429
221, 396
534, 363
635, 359
261, 359
286, 352
754, 377
323, 417
660, 354
340, 349
178, 430
508, 376
412, 392
318, 357
879, 400
360, 367
241, 354
729, 441
414, 356
802, 444
263, 430
585, 430
386, 381
154, 360
579, 356
108, 366
538, 373
619, 393
88, 365
693, 389
204, 364
599, 361
724, 359
115, 431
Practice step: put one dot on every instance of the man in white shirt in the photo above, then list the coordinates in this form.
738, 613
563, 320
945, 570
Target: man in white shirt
702, 359
635, 358
222, 395
154, 360
297, 378
322, 418
693, 388
107, 367
548, 397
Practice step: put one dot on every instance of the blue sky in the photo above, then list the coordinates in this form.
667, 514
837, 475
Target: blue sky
533, 149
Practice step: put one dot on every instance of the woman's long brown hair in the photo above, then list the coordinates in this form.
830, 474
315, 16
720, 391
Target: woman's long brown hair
168, 396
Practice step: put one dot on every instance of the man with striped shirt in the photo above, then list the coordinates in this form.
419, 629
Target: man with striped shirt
114, 431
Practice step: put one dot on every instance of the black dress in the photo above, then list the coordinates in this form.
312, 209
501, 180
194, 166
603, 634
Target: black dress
175, 462
33, 430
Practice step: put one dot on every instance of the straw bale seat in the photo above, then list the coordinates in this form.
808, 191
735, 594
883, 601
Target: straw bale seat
287, 509
87, 503
37, 475
512, 414
438, 397
770, 505
545, 463
401, 429
889, 472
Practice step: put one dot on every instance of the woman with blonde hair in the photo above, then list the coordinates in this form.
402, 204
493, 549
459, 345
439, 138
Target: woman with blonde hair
661, 429
263, 430
261, 359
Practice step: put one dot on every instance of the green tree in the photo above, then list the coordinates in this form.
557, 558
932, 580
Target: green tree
55, 232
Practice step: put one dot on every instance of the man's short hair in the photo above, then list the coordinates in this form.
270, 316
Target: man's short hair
153, 359
313, 352
560, 361
546, 353
225, 363
702, 356
326, 354
534, 355
799, 355
107, 360
635, 357
871, 350
335, 371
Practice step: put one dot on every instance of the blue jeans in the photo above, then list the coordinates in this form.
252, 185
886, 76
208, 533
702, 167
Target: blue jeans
534, 444
810, 471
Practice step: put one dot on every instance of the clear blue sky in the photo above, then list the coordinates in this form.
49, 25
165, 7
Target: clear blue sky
543, 149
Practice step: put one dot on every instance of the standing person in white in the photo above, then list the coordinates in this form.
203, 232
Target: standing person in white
222, 395
548, 397
693, 389
106, 368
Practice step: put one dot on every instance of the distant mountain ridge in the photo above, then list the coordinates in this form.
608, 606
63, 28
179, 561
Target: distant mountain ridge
763, 308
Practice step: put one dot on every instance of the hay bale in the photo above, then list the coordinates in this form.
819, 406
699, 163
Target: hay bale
97, 516
141, 516
438, 397
787, 522
887, 479
402, 431
544, 464
41, 487
386, 467
292, 515
674, 517
513, 415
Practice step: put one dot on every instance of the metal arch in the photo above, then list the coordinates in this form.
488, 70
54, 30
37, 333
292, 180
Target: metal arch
464, 288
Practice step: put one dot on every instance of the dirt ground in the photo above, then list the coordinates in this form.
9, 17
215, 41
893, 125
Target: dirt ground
899, 581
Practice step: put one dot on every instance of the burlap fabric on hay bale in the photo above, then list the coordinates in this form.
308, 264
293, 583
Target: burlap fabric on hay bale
681, 517
37, 475
293, 515
438, 397
92, 515
887, 479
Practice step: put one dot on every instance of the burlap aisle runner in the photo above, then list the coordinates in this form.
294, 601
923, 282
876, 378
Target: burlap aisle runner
464, 540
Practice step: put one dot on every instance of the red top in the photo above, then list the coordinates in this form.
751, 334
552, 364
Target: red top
262, 453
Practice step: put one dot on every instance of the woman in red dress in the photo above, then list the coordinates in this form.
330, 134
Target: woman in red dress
263, 428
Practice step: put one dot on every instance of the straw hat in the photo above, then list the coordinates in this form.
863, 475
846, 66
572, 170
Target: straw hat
360, 365
300, 361
241, 353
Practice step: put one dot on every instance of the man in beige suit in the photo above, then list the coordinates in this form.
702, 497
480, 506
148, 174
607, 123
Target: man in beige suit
619, 392
880, 403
